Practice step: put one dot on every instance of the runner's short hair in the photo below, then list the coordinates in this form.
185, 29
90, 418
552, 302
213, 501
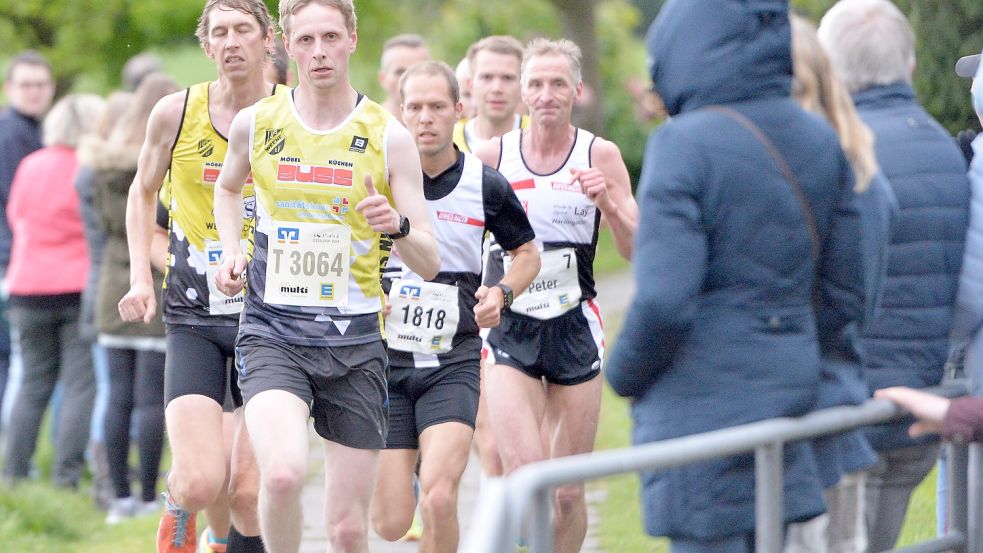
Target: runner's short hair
499, 44
406, 40
435, 69
545, 47
289, 7
255, 8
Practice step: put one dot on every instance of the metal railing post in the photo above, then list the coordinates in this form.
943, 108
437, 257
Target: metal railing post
540, 530
958, 462
974, 499
769, 498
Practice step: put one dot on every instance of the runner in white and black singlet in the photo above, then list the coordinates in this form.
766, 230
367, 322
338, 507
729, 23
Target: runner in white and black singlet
567, 180
432, 328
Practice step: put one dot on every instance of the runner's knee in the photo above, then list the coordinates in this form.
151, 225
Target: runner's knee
347, 535
284, 480
196, 489
568, 498
389, 524
439, 502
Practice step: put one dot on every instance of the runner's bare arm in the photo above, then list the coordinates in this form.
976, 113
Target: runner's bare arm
140, 302
418, 250
607, 183
158, 249
228, 203
524, 268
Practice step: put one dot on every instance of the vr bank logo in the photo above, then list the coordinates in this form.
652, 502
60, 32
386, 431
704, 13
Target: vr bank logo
287, 235
327, 291
214, 257
409, 292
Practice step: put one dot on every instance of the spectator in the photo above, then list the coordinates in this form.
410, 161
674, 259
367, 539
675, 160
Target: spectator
135, 350
731, 252
96, 241
138, 68
967, 67
842, 458
29, 88
47, 274
872, 47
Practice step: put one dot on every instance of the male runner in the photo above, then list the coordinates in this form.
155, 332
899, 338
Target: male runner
326, 163
567, 179
185, 145
463, 74
495, 64
434, 347
398, 54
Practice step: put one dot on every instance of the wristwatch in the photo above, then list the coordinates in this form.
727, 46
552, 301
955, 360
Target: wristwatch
404, 228
506, 294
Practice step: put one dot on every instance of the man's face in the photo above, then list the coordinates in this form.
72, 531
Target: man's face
30, 89
495, 85
236, 42
429, 113
321, 45
396, 61
464, 84
548, 89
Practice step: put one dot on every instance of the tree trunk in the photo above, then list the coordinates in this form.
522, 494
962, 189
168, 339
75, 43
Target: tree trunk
580, 26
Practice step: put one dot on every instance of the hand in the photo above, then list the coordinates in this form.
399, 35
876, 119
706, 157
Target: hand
230, 278
387, 309
488, 312
139, 304
930, 409
595, 186
376, 209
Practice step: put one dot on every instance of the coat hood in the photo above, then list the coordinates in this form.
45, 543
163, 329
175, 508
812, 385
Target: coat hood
711, 52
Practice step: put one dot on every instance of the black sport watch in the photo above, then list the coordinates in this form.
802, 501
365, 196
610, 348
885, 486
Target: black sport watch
404, 228
506, 294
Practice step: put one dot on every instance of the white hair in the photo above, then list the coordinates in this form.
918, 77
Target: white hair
870, 42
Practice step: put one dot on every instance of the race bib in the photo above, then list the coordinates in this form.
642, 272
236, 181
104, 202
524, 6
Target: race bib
219, 303
555, 290
308, 264
424, 316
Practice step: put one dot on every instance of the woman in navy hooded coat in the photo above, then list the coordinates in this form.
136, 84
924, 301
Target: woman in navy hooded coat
723, 330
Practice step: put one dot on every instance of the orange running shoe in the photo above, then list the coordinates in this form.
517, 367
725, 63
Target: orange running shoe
176, 533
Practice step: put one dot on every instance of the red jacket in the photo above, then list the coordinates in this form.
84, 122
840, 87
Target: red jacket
49, 255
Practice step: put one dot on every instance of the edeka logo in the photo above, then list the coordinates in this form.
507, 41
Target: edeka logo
273, 141
435, 343
287, 234
327, 291
564, 299
205, 147
359, 144
214, 257
407, 291
313, 174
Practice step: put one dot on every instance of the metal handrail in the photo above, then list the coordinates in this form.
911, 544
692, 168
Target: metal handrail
524, 497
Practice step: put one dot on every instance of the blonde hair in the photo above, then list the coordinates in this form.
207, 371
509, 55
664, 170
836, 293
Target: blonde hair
818, 89
132, 126
289, 7
498, 44
544, 47
70, 118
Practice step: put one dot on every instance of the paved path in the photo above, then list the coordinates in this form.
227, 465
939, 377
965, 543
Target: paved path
614, 293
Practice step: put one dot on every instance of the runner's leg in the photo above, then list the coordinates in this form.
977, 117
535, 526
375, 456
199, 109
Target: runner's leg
394, 502
344, 477
516, 404
444, 450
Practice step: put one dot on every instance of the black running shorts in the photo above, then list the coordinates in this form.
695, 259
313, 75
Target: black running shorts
198, 362
423, 397
344, 386
566, 350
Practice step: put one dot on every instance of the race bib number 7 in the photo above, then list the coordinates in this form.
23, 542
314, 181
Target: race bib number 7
555, 290
424, 316
308, 264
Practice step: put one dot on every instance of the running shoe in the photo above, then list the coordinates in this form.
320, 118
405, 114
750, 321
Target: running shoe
415, 533
121, 508
176, 533
208, 544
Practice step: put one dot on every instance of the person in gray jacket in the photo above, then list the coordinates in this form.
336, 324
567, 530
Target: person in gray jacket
872, 47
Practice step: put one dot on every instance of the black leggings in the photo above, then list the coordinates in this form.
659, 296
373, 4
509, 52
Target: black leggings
136, 385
